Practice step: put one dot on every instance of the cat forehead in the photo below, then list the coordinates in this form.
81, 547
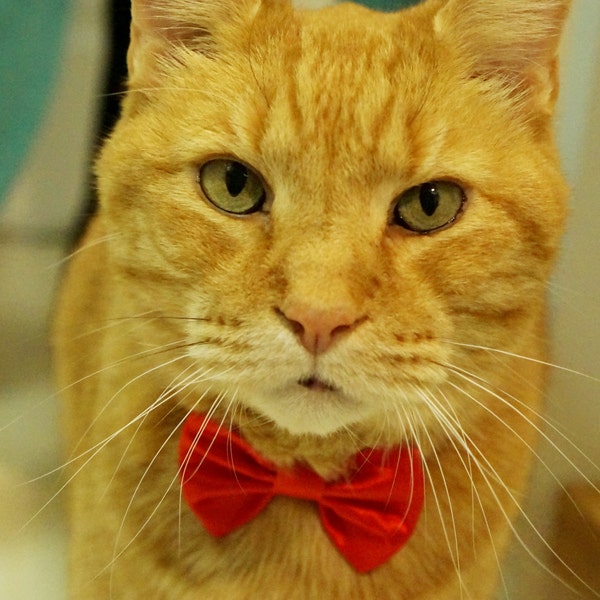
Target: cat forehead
338, 82
343, 52
367, 96
370, 92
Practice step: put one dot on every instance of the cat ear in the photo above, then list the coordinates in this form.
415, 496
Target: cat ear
158, 27
513, 42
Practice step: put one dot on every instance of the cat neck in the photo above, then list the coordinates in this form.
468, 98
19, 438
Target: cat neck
331, 456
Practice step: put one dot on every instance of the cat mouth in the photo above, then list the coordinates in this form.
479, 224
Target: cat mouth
311, 405
314, 384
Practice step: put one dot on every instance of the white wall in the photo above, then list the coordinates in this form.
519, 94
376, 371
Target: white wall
573, 406
575, 294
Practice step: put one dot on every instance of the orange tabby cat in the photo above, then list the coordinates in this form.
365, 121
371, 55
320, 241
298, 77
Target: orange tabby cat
314, 228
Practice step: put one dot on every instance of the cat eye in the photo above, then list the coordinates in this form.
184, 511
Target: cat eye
429, 206
232, 186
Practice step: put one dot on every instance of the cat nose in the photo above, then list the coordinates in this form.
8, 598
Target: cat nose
317, 328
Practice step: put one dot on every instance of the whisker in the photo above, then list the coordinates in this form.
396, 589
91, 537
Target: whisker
112, 322
117, 555
149, 89
141, 480
523, 357
481, 384
177, 476
106, 406
405, 436
450, 422
80, 249
137, 356
453, 545
522, 512
173, 390
186, 459
143, 354
94, 450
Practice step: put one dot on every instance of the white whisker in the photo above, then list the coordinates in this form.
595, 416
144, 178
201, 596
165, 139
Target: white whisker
107, 404
141, 480
216, 404
522, 512
84, 248
452, 544
447, 417
523, 357
480, 384
174, 390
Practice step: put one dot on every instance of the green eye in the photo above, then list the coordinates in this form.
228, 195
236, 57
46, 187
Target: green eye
429, 206
232, 186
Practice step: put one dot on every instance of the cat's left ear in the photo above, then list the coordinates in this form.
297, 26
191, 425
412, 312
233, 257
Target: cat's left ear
159, 26
511, 42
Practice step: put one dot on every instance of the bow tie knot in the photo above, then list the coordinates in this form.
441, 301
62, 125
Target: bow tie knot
299, 483
368, 517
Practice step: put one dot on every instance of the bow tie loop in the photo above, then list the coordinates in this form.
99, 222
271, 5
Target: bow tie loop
368, 517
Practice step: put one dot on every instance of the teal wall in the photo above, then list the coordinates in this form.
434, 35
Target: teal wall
31, 34
388, 5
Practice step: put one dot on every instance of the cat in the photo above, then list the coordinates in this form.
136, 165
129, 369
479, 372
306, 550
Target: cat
324, 233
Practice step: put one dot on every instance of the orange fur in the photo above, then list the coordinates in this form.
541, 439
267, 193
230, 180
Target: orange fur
173, 305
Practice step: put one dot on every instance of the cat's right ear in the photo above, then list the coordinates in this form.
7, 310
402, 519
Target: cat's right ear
159, 27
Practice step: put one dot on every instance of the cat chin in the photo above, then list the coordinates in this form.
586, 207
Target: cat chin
318, 426
321, 427
317, 412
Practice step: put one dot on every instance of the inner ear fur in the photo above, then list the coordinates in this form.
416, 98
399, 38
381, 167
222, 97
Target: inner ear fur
512, 42
158, 27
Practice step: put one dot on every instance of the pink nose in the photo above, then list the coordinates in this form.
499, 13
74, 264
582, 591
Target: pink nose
318, 328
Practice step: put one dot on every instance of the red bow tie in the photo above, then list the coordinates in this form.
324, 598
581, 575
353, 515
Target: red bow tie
368, 517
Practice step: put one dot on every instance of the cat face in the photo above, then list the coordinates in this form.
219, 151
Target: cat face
333, 213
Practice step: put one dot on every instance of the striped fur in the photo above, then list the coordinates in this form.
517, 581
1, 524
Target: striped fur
172, 306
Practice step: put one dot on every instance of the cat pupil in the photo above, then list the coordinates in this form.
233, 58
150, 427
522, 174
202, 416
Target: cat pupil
236, 177
430, 198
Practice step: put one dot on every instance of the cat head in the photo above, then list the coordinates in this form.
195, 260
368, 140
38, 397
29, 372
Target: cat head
330, 211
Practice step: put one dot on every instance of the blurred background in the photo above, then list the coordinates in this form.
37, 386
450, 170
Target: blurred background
54, 58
